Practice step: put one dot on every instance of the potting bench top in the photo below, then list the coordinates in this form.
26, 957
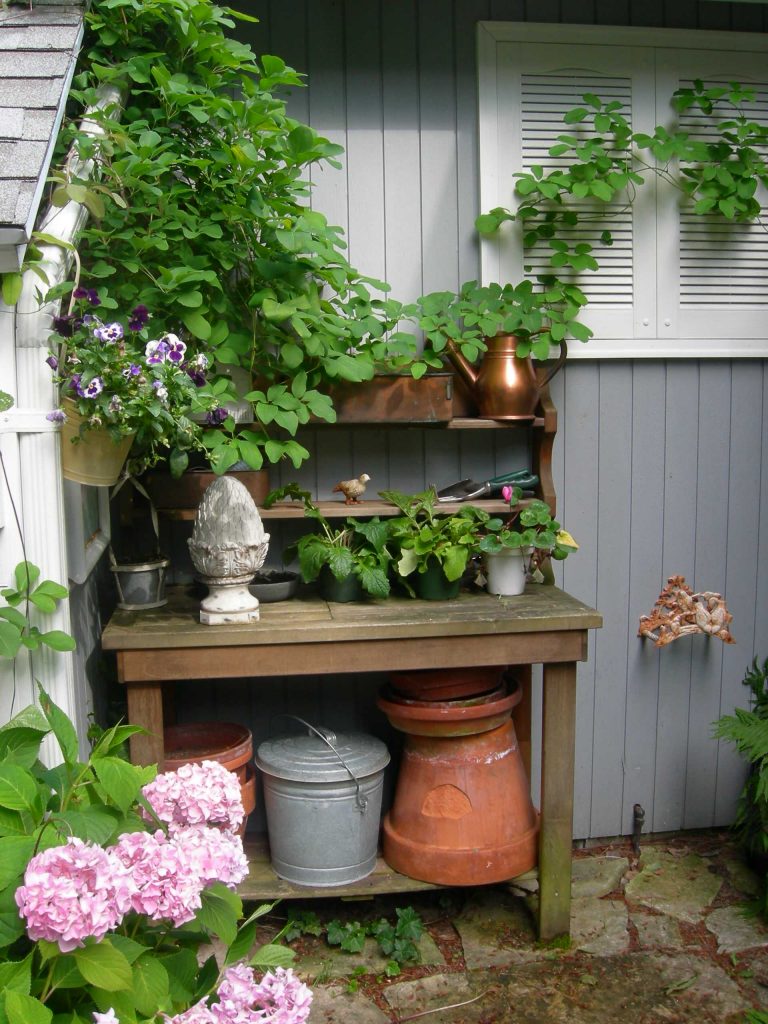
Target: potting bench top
308, 636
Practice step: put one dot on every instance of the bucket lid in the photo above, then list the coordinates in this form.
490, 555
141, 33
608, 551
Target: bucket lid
308, 758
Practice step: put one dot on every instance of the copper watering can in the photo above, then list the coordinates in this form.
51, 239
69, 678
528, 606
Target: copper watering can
504, 386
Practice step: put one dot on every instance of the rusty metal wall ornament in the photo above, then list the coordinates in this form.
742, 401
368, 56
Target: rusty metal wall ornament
679, 612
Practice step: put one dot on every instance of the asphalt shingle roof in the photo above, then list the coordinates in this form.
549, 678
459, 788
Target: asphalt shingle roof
38, 49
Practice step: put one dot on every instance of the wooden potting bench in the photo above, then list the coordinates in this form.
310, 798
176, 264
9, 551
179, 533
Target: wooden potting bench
307, 636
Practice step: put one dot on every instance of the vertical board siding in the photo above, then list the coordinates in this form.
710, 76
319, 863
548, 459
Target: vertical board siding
660, 467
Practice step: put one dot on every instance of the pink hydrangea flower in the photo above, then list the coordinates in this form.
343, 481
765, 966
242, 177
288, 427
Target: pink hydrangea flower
71, 893
165, 885
213, 855
279, 998
197, 1014
283, 997
105, 1018
197, 794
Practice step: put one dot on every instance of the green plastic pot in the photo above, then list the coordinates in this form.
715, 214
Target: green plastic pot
345, 590
433, 585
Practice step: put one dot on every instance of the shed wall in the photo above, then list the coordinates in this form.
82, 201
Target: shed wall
661, 466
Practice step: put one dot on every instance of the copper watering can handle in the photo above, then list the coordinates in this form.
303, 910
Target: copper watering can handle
558, 365
329, 737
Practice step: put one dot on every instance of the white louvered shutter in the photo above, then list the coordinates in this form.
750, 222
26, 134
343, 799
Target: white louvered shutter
672, 279
713, 273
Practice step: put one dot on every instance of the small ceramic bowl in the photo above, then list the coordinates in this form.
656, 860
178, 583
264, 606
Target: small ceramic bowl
274, 585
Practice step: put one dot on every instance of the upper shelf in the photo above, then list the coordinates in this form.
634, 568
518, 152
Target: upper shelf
339, 510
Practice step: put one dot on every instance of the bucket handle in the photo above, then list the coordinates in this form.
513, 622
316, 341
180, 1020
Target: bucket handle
328, 737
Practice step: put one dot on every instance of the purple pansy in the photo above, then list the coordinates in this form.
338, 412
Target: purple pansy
56, 416
95, 387
87, 293
65, 326
156, 352
53, 362
109, 333
216, 416
139, 318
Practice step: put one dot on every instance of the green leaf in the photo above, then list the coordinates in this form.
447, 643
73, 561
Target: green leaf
18, 791
197, 325
104, 966
575, 115
218, 916
91, 824
151, 987
181, 968
16, 975
62, 728
121, 781
23, 1009
11, 290
15, 854
272, 955
58, 640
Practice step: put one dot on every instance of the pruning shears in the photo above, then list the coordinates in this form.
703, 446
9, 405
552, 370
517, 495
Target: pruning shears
467, 489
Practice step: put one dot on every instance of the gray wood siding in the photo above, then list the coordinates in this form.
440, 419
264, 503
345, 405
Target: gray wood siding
661, 467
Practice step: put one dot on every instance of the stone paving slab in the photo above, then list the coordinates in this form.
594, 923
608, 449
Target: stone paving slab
736, 932
332, 1004
599, 926
656, 930
324, 961
679, 886
496, 930
590, 876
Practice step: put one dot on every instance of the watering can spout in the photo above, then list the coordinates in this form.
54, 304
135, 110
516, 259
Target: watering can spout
461, 364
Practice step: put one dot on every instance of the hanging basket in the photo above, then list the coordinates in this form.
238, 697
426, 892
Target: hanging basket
94, 459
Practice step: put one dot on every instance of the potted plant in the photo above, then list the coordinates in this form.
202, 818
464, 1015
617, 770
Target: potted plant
515, 547
138, 568
349, 562
123, 392
433, 549
506, 325
234, 253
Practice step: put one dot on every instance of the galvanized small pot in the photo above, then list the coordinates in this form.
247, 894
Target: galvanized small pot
322, 795
141, 584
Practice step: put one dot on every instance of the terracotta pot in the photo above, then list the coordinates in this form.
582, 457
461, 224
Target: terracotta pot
187, 490
445, 683
228, 743
95, 459
248, 796
462, 813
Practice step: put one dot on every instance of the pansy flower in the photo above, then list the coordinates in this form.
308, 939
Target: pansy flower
109, 333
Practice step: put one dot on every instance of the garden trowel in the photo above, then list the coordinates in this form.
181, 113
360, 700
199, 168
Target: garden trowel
466, 490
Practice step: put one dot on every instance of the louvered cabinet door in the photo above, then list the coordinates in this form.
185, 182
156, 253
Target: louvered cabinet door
712, 272
538, 84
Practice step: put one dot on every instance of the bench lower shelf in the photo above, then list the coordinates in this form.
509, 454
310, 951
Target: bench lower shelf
263, 884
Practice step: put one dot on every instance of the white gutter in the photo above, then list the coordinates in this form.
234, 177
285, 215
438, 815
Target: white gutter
42, 487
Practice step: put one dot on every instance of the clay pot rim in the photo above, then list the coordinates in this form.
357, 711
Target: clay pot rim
448, 711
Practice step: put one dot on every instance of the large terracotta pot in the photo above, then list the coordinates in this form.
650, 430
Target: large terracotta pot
94, 459
229, 743
187, 490
462, 813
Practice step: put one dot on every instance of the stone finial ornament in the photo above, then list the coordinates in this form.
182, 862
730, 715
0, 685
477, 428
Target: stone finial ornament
679, 612
228, 546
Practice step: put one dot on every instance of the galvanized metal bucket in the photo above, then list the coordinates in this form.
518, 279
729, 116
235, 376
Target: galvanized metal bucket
322, 795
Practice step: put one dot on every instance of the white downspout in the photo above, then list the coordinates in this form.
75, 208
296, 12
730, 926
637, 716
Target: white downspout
42, 508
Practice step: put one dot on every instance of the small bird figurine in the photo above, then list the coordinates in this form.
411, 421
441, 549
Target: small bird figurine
352, 489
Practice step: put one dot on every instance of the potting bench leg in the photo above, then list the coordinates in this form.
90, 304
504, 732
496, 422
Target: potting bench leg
556, 835
145, 707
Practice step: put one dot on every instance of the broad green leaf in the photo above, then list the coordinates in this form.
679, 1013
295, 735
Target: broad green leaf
181, 968
11, 290
197, 325
104, 966
15, 853
58, 640
18, 791
121, 781
218, 917
272, 955
16, 975
62, 728
150, 985
23, 1009
91, 824
65, 973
